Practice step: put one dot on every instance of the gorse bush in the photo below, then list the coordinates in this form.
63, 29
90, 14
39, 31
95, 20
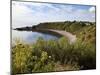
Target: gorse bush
27, 60
20, 54
86, 54
43, 56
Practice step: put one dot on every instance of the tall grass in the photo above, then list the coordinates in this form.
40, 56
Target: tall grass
47, 56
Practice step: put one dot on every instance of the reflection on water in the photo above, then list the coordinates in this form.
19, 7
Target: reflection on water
31, 37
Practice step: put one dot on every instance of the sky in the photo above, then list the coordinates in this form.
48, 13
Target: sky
32, 13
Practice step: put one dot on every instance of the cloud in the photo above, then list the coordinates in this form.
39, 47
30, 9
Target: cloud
29, 13
21, 15
92, 9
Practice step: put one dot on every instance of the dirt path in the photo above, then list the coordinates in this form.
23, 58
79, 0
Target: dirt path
71, 37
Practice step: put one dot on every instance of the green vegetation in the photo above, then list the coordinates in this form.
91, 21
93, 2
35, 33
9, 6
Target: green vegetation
85, 31
57, 55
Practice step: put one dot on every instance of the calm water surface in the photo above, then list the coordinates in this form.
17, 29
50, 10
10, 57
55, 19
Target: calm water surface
31, 37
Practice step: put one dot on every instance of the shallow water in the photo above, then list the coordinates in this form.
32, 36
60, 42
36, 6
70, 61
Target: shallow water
31, 37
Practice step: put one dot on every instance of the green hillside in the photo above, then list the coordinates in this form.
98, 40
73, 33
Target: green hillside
84, 31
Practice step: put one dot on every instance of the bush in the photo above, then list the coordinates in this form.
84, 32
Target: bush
20, 54
43, 56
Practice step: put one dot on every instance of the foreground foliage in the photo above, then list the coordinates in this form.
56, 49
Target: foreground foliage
46, 56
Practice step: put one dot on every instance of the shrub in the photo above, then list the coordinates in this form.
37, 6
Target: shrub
43, 56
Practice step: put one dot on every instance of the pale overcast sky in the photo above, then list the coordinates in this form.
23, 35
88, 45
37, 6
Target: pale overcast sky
30, 13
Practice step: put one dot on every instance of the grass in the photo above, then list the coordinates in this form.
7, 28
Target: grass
47, 56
